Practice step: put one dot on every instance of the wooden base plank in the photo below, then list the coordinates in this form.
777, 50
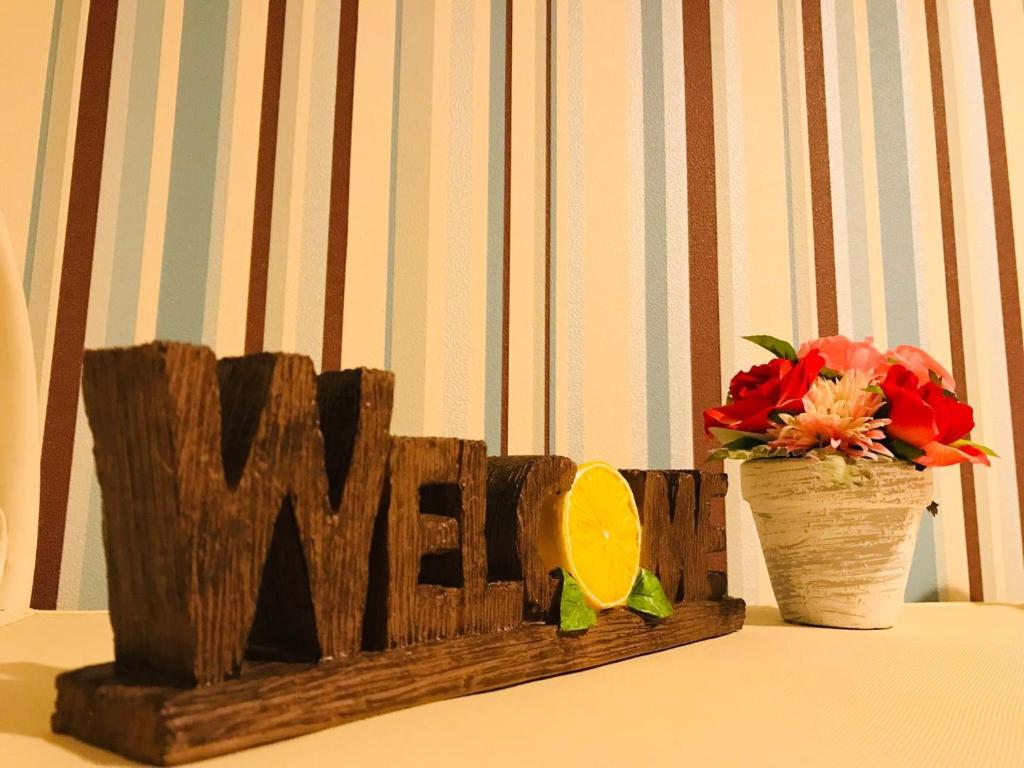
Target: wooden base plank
271, 701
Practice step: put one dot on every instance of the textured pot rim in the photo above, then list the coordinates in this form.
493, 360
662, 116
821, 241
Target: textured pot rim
807, 460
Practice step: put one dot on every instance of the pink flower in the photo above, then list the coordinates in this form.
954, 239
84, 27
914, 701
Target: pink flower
842, 355
838, 416
922, 365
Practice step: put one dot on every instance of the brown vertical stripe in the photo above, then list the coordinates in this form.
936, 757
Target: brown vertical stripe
821, 181
507, 254
547, 226
265, 165
1005, 248
705, 350
73, 301
337, 232
956, 328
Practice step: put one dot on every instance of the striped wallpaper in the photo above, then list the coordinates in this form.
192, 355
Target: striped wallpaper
551, 218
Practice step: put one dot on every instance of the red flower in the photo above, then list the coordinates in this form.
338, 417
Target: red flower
755, 394
930, 419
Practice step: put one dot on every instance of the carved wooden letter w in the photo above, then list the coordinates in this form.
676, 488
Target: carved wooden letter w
217, 499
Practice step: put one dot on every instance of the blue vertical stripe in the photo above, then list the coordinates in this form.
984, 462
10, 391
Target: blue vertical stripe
44, 132
897, 234
135, 173
193, 171
659, 449
495, 225
389, 299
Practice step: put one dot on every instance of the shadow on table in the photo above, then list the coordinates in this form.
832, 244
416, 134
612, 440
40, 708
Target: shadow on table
27, 695
763, 616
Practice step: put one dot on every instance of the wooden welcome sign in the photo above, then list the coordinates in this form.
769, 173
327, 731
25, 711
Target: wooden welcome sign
279, 563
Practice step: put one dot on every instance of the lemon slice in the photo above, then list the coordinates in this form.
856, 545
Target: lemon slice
598, 534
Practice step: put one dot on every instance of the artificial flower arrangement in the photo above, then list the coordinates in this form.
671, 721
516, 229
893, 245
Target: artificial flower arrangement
838, 439
837, 397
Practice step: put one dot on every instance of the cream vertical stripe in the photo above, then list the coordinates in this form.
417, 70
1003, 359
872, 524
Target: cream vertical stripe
638, 248
998, 523
484, 200
369, 202
464, 215
26, 36
676, 238
160, 172
799, 170
733, 254
768, 265
605, 174
569, 276
316, 194
526, 289
235, 191
283, 282
876, 275
436, 266
411, 216
933, 321
460, 218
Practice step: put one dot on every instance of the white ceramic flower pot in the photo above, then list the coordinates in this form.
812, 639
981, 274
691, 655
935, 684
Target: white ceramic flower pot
838, 537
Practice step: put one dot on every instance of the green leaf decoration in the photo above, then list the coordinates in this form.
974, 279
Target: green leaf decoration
744, 444
729, 436
648, 597
777, 347
903, 450
830, 373
874, 389
574, 615
983, 448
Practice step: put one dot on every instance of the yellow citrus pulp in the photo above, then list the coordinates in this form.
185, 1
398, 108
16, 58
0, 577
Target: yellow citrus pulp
597, 534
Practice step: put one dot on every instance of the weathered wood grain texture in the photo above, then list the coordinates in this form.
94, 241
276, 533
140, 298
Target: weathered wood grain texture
431, 551
522, 495
355, 418
705, 569
279, 563
216, 501
682, 545
272, 700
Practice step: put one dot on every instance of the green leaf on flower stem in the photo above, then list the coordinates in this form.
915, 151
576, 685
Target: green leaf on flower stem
777, 347
729, 436
648, 597
902, 450
829, 373
874, 389
574, 615
744, 443
983, 448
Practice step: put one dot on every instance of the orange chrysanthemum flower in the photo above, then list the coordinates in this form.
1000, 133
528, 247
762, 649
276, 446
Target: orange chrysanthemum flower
838, 415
